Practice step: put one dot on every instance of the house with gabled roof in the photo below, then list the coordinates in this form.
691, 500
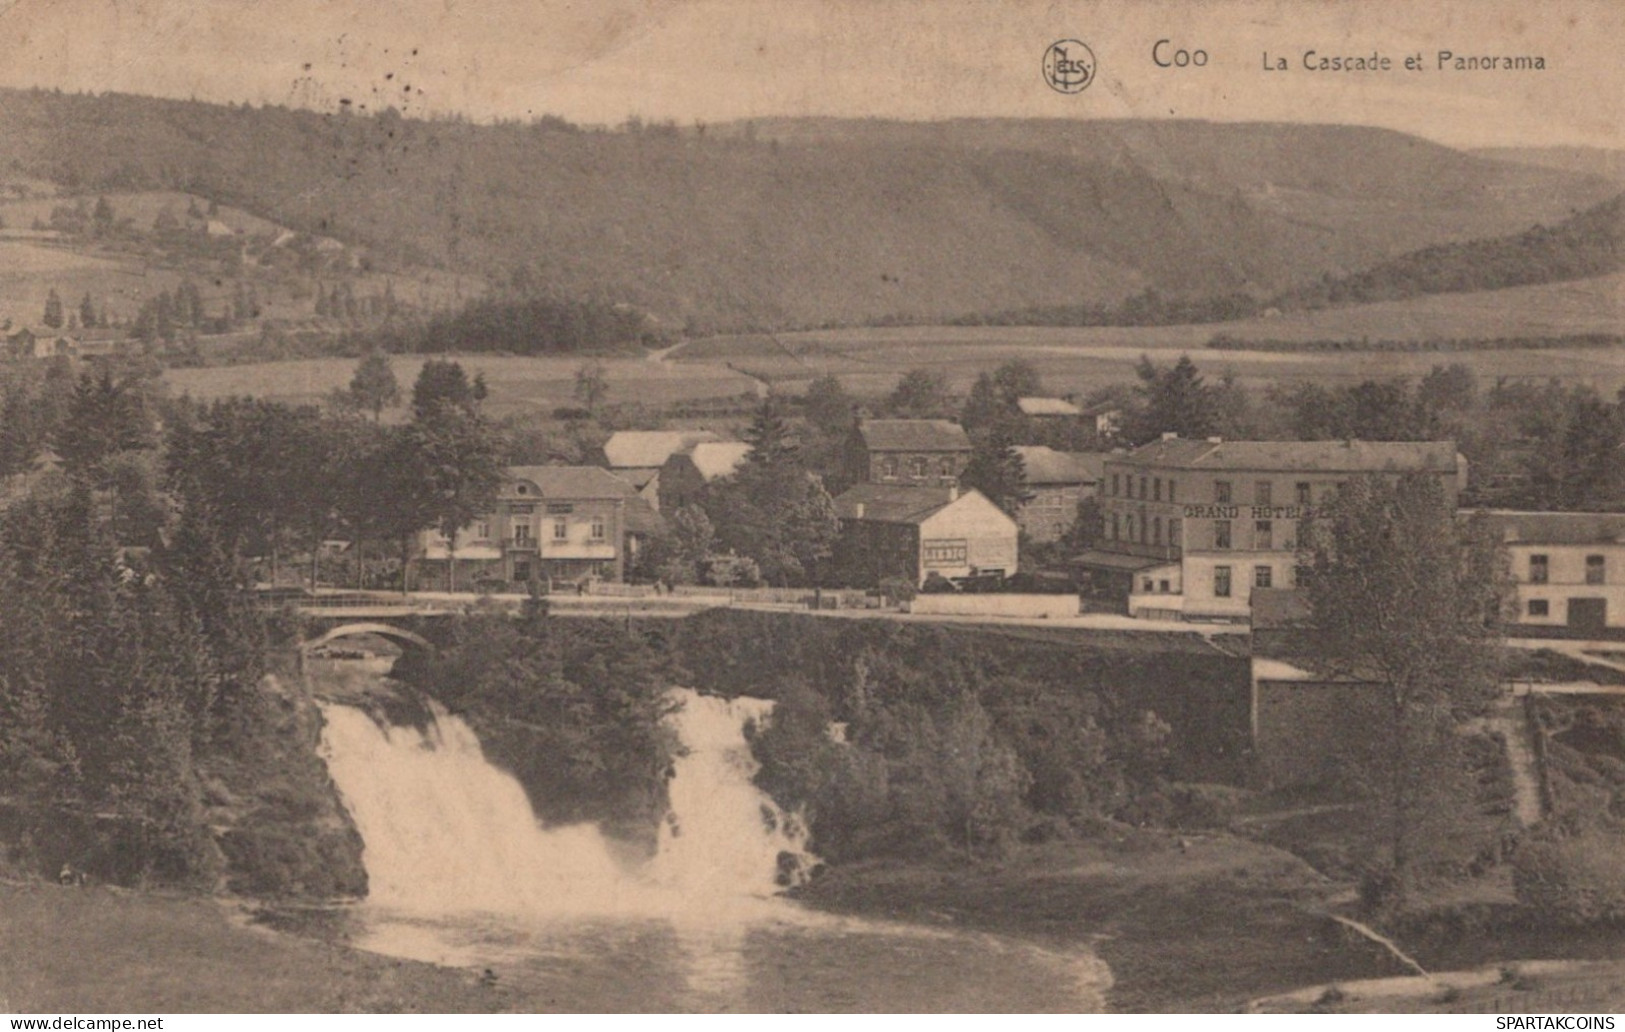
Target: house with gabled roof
636, 456
898, 531
913, 452
1567, 568
687, 473
1056, 482
551, 525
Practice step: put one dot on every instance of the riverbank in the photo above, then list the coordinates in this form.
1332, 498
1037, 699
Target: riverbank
1202, 923
1217, 923
104, 950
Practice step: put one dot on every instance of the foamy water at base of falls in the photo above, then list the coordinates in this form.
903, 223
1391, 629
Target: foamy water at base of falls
461, 873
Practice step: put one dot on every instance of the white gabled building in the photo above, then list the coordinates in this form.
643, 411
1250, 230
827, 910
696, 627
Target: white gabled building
1568, 569
913, 532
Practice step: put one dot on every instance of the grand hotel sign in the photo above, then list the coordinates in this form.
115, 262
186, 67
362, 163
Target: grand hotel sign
1257, 512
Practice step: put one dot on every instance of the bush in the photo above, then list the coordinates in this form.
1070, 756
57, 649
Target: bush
1205, 806
897, 589
1576, 880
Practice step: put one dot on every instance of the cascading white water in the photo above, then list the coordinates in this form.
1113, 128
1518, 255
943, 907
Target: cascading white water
723, 837
446, 832
462, 873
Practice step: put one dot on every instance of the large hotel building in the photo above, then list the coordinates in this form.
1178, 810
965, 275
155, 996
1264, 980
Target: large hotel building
1191, 527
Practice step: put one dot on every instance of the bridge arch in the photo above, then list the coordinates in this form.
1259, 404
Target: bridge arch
385, 630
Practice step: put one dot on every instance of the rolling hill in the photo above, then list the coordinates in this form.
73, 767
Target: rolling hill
811, 222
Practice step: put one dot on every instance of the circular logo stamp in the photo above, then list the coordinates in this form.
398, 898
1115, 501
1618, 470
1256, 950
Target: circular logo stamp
1069, 66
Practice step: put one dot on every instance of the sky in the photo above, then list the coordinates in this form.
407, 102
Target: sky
599, 61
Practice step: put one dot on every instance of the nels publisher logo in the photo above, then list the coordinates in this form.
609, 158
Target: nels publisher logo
1069, 66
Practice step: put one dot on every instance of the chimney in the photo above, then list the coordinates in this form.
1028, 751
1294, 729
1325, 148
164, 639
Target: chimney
953, 492
858, 510
1169, 435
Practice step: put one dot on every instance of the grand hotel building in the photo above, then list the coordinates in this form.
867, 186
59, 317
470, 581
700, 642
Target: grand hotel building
1191, 527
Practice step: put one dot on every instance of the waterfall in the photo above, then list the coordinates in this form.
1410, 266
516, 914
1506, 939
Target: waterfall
446, 832
723, 836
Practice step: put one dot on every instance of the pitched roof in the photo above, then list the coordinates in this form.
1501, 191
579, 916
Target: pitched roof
913, 435
573, 481
1045, 465
641, 517
718, 458
627, 449
637, 476
1310, 456
1122, 562
1047, 407
1558, 528
892, 503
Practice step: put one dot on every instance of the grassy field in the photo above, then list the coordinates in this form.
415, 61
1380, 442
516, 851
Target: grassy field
869, 360
516, 384
29, 270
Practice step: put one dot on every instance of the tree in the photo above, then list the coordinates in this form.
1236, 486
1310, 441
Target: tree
1087, 527
983, 406
777, 514
53, 316
373, 388
591, 385
1406, 599
1174, 400
105, 416
770, 439
87, 312
675, 555
441, 384
920, 394
828, 406
456, 455
996, 469
1016, 379
102, 217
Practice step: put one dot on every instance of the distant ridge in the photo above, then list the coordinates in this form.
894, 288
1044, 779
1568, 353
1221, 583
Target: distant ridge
1606, 162
806, 222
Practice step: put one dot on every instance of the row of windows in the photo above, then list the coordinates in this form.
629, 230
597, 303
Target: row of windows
1144, 531
918, 466
1263, 577
561, 530
1596, 569
1150, 488
1154, 483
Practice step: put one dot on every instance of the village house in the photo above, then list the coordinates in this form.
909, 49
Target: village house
683, 478
1568, 570
1057, 481
551, 524
911, 452
40, 342
1191, 527
896, 531
636, 456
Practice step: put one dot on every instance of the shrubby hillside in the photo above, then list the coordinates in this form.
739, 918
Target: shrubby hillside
810, 222
1590, 243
